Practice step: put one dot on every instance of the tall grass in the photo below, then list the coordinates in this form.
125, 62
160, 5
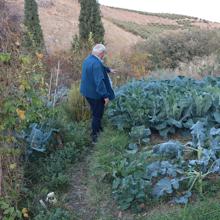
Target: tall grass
76, 106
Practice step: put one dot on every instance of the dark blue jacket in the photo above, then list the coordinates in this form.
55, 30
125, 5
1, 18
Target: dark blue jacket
95, 83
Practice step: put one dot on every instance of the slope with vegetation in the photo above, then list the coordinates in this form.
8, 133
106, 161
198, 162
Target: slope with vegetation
36, 144
160, 145
59, 22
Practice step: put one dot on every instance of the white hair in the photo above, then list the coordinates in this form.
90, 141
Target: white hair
98, 48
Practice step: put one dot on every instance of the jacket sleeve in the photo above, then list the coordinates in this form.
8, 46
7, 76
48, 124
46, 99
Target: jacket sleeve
99, 81
107, 69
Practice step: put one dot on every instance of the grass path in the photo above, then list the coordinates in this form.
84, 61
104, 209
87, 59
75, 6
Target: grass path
77, 196
91, 201
86, 200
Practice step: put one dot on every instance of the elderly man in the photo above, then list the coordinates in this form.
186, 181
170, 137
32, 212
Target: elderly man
96, 86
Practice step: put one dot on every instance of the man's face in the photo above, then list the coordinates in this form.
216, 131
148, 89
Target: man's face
102, 55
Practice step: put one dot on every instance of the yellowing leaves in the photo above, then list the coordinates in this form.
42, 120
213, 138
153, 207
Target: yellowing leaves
39, 56
21, 113
12, 166
25, 213
24, 85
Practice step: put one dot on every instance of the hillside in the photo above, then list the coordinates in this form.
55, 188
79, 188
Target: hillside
158, 155
124, 28
59, 22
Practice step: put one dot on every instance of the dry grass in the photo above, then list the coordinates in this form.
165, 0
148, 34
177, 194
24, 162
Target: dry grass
118, 40
123, 15
59, 21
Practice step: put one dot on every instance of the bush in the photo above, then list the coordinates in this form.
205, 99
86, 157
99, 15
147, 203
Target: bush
167, 51
49, 172
54, 214
76, 106
11, 182
75, 132
34, 35
139, 64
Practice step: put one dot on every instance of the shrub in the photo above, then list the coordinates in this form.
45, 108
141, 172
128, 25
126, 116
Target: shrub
90, 21
54, 214
76, 106
75, 132
34, 35
167, 51
200, 67
11, 178
139, 64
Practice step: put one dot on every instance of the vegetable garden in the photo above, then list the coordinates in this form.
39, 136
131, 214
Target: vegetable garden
143, 173
160, 145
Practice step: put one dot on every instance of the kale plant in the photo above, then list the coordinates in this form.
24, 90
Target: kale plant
171, 170
168, 105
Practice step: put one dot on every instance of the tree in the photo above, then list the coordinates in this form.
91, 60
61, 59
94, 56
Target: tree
34, 35
90, 21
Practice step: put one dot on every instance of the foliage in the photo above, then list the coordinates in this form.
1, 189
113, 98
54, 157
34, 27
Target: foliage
110, 147
12, 174
144, 31
90, 21
10, 31
49, 172
54, 214
5, 57
130, 187
167, 51
27, 103
200, 66
52, 166
167, 105
207, 209
138, 63
76, 106
143, 176
11, 171
9, 212
34, 35
171, 170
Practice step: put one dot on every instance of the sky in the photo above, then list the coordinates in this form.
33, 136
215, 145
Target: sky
205, 9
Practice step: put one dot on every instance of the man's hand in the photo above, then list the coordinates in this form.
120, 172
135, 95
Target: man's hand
113, 70
106, 101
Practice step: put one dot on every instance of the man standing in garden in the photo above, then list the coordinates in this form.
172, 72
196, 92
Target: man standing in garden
96, 86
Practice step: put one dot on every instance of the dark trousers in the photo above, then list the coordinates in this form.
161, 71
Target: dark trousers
97, 109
